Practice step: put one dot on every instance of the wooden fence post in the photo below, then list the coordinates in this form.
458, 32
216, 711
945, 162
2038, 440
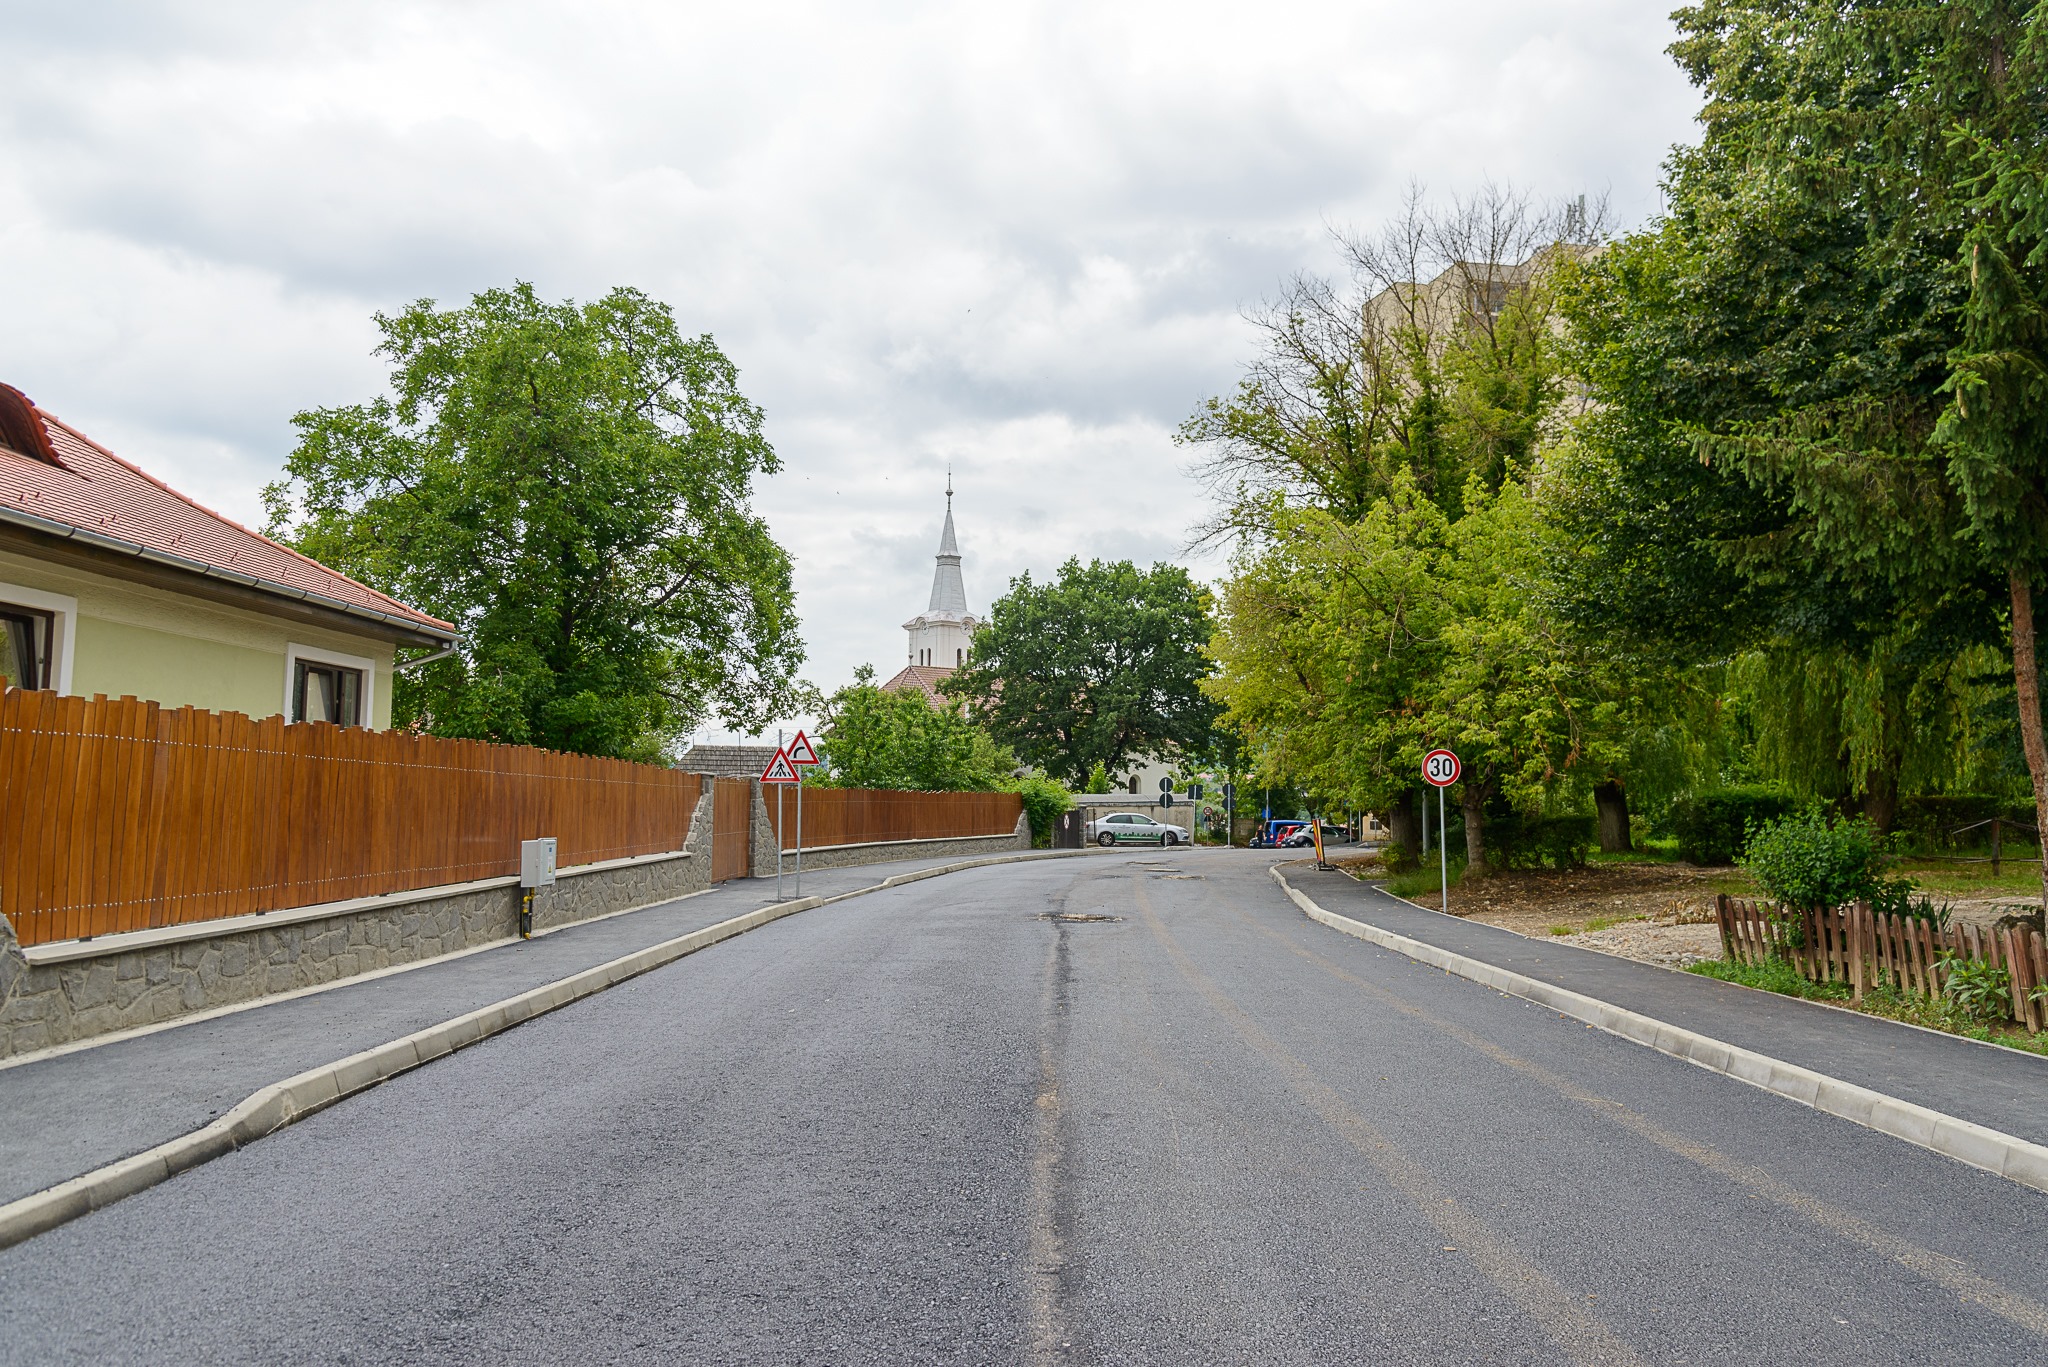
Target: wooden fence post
1859, 915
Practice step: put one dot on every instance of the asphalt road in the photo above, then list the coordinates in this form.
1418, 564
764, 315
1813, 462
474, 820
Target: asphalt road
942, 1124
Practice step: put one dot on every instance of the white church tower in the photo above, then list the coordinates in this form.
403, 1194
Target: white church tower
941, 634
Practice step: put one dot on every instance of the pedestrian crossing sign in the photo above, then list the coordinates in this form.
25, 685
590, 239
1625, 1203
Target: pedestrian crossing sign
779, 769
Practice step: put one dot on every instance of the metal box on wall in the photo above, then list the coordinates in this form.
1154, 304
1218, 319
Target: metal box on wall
537, 863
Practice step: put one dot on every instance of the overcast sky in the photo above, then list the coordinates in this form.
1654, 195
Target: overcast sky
1016, 238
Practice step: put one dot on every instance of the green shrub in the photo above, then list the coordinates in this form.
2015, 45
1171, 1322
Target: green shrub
1981, 989
1516, 841
1805, 860
1712, 826
1894, 896
1044, 800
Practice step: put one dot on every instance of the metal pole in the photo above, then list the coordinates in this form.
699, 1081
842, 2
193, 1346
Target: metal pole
799, 836
1443, 850
778, 823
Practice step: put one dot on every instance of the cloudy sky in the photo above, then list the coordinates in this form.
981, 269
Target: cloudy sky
1013, 238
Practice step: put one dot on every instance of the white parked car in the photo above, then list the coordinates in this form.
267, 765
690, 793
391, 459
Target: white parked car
1131, 828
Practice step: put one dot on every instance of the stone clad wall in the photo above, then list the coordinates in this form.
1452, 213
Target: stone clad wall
152, 976
847, 856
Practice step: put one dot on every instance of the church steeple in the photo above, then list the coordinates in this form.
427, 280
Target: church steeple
941, 634
949, 594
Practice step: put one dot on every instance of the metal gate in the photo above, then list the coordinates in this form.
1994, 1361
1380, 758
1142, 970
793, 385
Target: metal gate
732, 833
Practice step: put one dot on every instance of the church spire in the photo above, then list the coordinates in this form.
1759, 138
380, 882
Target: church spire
949, 594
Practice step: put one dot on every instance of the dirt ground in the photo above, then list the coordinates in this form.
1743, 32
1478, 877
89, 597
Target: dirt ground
1659, 913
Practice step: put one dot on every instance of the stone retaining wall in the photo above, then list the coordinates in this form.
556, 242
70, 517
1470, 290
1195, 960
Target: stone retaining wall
881, 852
57, 993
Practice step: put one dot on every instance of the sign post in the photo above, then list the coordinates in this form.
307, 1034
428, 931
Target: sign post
1440, 769
801, 753
1229, 812
781, 771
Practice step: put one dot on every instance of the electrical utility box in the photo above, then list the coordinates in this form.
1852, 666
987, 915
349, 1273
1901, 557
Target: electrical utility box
537, 863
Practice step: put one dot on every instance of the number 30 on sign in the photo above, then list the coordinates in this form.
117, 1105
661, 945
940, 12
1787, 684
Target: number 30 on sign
1441, 768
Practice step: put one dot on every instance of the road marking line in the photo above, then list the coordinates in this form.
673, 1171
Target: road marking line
1938, 1268
1560, 1312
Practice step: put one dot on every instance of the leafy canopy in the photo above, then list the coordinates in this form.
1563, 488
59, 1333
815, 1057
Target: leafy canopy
1101, 666
872, 738
569, 484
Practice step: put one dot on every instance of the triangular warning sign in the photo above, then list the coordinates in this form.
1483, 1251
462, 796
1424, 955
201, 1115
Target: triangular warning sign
779, 770
800, 751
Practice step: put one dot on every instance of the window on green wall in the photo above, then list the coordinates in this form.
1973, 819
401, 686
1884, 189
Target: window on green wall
324, 692
24, 647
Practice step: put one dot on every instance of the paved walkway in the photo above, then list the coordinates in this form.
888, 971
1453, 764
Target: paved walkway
70, 1113
2002, 1088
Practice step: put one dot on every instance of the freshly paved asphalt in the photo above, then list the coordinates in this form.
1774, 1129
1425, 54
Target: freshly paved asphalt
68, 1113
940, 1124
2002, 1088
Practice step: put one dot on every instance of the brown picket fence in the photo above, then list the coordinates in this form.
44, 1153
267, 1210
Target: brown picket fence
858, 816
1863, 948
123, 815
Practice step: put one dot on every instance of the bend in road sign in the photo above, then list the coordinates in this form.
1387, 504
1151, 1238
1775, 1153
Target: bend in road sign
800, 751
1441, 768
779, 769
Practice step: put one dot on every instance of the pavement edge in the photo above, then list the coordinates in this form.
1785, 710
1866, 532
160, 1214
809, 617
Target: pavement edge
271, 1108
1994, 1151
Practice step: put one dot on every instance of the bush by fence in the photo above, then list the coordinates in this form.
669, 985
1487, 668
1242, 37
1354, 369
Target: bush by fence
859, 816
1910, 954
1712, 826
123, 815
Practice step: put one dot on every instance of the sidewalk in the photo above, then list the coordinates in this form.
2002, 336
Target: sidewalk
2001, 1088
69, 1113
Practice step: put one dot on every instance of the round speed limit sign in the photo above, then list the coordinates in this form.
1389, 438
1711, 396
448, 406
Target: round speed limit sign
1441, 768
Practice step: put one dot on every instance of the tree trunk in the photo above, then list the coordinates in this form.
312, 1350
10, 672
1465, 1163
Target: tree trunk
1881, 798
1474, 805
2026, 679
1404, 822
1611, 801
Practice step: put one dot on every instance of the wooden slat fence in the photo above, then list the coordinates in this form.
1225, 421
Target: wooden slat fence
1862, 948
857, 816
732, 828
123, 815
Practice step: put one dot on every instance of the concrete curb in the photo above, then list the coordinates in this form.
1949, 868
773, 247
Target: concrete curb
272, 1108
1965, 1141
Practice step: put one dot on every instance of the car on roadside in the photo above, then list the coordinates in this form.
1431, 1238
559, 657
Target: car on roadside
1133, 828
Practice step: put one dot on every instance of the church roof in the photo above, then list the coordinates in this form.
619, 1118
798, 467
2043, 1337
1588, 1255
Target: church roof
924, 678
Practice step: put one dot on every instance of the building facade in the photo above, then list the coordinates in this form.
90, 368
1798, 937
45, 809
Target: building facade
112, 582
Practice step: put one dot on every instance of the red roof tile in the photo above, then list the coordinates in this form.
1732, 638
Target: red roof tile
91, 488
924, 678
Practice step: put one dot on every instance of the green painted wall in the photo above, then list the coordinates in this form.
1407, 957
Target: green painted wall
131, 639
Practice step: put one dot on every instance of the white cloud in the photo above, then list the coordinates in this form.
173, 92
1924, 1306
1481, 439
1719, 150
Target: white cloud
1017, 238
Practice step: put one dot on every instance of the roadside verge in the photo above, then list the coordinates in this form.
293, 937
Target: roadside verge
2008, 1156
279, 1104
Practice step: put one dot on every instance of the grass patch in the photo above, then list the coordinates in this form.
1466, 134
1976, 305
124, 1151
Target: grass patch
1603, 922
1562, 930
1427, 879
1910, 1007
1645, 852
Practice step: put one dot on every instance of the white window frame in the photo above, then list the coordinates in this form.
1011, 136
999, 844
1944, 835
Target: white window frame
320, 655
63, 627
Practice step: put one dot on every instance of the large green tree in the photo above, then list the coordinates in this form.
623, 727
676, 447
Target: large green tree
1101, 666
872, 738
569, 484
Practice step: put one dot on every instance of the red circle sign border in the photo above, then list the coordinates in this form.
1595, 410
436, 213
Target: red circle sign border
1457, 768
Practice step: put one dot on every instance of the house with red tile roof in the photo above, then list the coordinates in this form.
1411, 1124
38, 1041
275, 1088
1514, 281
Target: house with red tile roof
112, 582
